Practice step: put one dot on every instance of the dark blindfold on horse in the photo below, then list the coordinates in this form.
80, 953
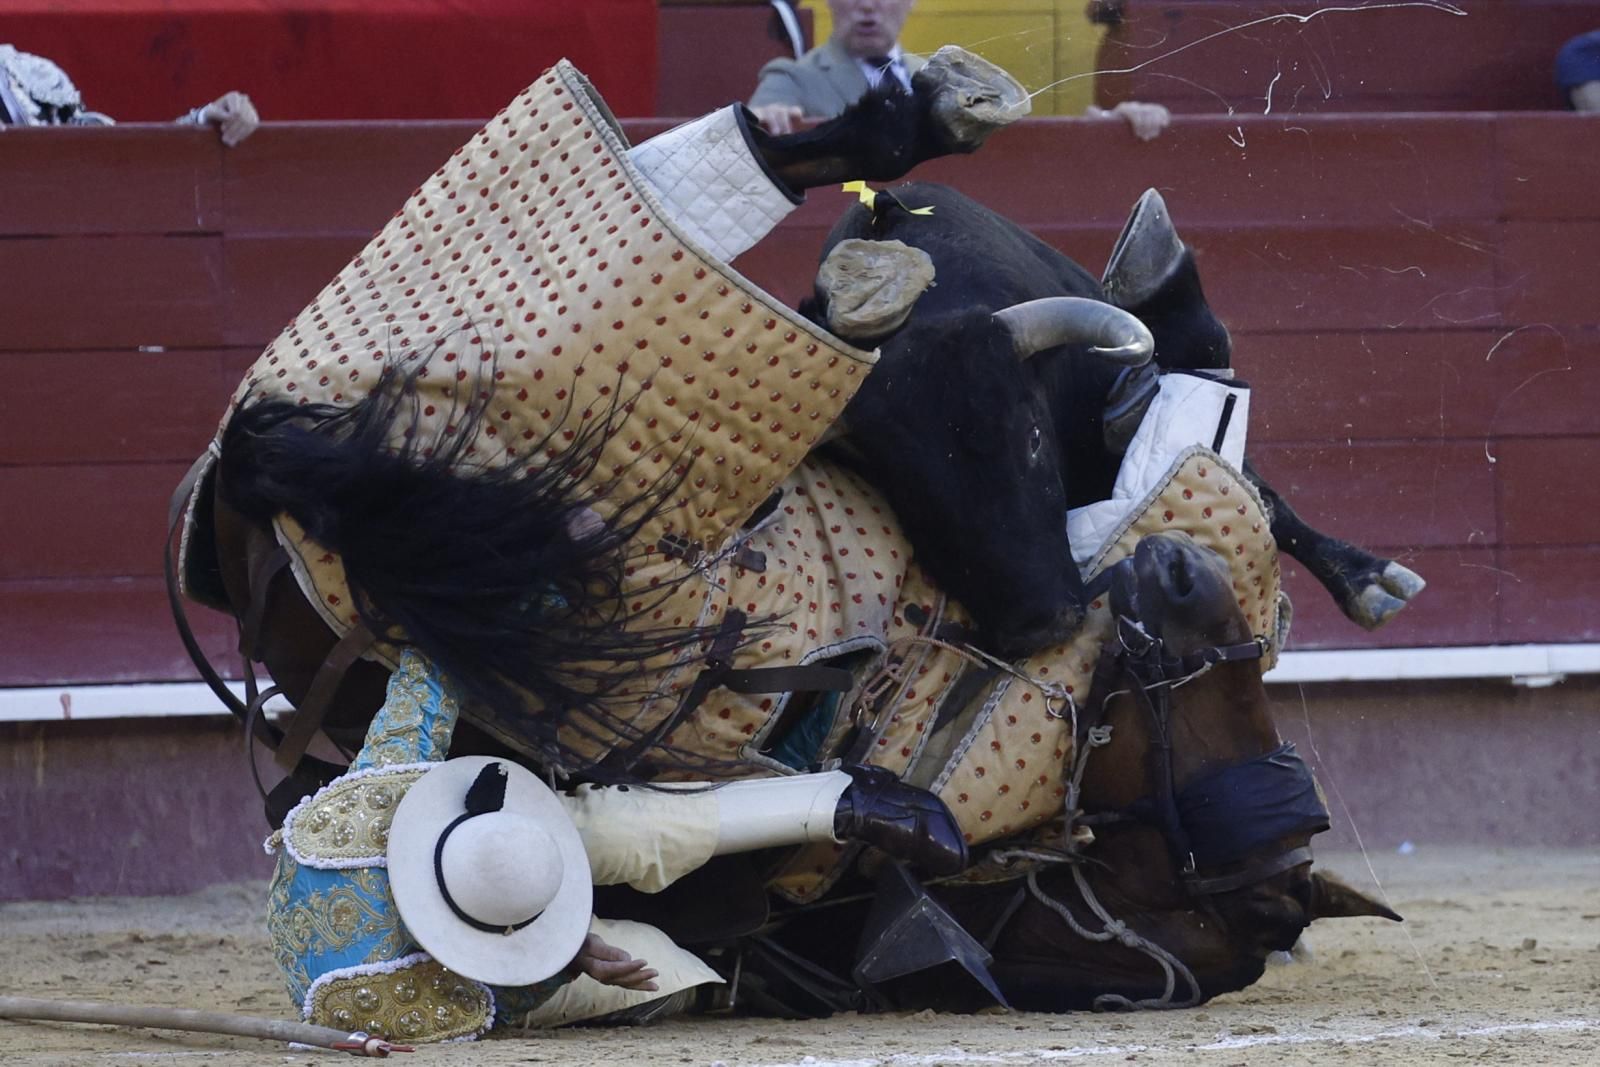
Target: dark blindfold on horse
1235, 811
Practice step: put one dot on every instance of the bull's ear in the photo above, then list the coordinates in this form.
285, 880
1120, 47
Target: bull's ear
1332, 899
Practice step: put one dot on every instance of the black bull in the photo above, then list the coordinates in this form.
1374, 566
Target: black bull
981, 447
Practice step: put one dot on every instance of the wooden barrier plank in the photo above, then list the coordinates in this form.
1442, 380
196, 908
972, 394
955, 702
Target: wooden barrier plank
74, 292
1547, 492
785, 263
271, 278
1429, 384
1259, 279
102, 631
1548, 379
1457, 608
1379, 277
1345, 60
88, 407
124, 179
1369, 385
1314, 278
102, 521
1547, 166
1241, 171
157, 807
1548, 594
1548, 272
1426, 493
332, 178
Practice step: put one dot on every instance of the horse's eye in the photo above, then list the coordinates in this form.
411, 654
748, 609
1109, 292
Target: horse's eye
1035, 439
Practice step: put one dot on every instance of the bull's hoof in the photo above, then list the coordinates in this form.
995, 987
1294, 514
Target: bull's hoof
1146, 254
871, 286
1381, 600
969, 98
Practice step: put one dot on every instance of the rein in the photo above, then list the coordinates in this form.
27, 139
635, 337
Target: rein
1152, 676
1278, 782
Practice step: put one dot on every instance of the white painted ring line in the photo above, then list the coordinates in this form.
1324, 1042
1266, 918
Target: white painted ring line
1530, 665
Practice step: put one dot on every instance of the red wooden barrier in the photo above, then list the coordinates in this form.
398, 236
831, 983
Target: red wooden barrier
1311, 56
1412, 295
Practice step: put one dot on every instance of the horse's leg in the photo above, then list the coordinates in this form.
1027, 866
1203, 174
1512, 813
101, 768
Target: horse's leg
956, 101
1368, 589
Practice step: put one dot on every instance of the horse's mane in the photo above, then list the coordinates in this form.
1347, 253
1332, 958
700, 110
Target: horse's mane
480, 566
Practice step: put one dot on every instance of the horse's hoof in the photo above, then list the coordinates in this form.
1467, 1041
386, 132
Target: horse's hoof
1394, 588
969, 97
872, 286
1146, 254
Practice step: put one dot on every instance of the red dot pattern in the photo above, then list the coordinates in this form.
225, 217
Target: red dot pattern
534, 250
1011, 767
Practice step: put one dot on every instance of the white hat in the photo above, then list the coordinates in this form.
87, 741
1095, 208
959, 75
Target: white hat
489, 872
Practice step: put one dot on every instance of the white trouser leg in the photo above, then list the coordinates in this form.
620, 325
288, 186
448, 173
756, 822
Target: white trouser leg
763, 812
649, 838
645, 838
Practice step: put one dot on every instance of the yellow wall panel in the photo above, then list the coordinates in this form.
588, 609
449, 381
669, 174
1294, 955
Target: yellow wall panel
1041, 42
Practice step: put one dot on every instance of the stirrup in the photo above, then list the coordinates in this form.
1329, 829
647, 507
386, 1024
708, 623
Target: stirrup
909, 936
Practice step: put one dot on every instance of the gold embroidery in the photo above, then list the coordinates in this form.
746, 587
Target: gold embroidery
396, 734
419, 1002
327, 921
350, 819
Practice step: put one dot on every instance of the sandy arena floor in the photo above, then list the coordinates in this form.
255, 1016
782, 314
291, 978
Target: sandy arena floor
1499, 961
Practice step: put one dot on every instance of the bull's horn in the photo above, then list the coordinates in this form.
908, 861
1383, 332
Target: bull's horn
1332, 899
1063, 320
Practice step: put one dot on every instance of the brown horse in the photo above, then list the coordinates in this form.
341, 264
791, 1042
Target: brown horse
1196, 862
1203, 818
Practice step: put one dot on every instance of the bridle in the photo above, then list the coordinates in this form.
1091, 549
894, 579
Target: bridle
1215, 821
1227, 815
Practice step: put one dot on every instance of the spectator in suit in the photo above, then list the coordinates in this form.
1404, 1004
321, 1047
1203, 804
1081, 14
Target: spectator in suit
36, 92
1578, 72
863, 49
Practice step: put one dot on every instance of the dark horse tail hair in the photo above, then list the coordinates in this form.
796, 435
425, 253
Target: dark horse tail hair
495, 572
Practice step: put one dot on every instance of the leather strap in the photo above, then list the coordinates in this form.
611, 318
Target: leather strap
1224, 883
308, 718
267, 558
180, 616
812, 678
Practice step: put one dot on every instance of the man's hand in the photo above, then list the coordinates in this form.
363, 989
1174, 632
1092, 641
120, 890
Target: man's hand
234, 116
610, 965
778, 119
1145, 120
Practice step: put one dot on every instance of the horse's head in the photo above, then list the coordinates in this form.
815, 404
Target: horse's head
1202, 816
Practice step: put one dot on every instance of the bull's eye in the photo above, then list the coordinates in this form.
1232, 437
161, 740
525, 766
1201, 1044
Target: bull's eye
1035, 439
